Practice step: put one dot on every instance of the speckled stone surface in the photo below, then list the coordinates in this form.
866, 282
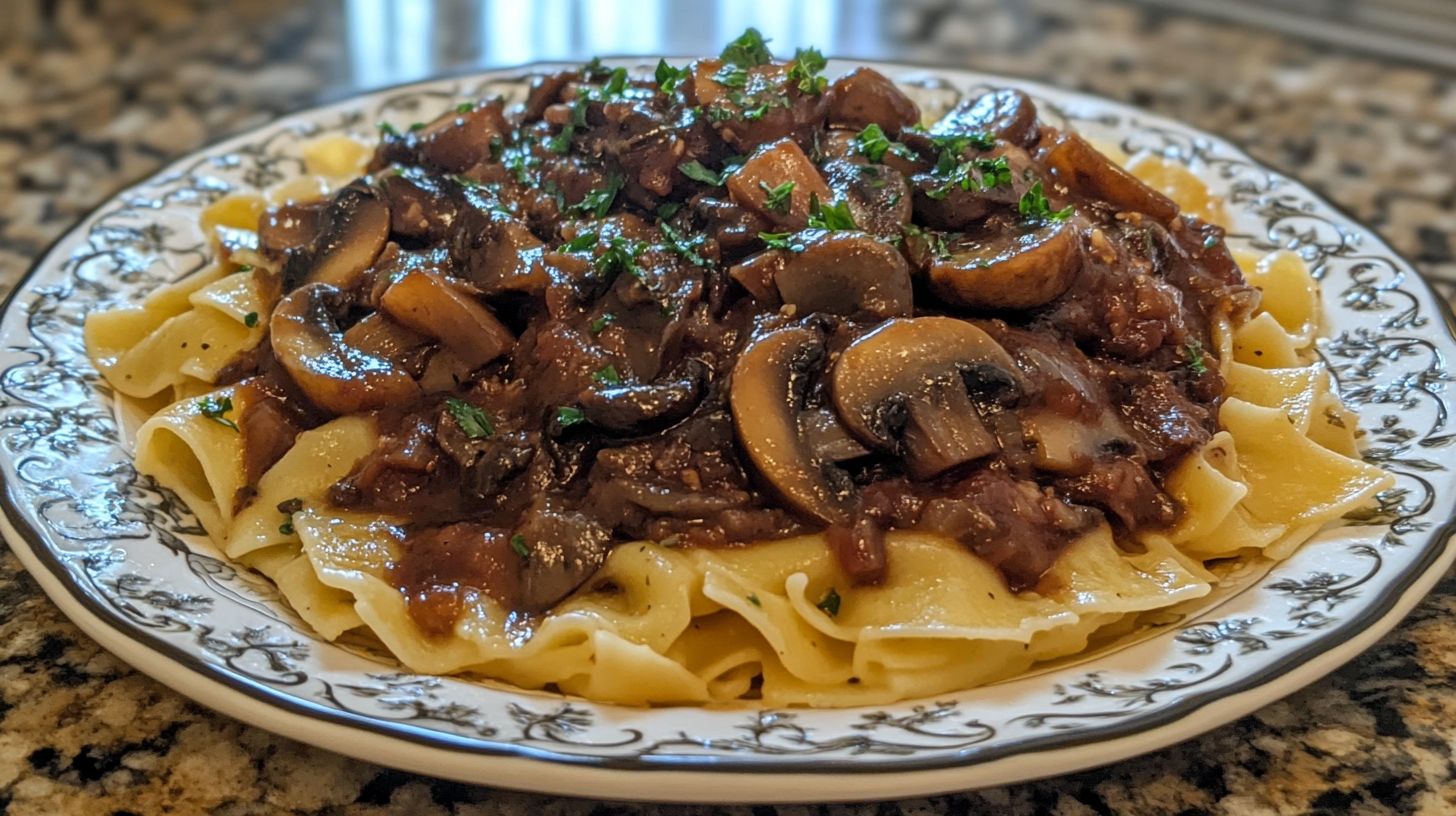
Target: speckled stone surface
95, 94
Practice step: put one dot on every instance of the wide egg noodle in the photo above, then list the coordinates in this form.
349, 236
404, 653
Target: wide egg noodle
198, 456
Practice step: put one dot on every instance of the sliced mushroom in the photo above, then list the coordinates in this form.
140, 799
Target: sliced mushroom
912, 387
338, 378
878, 196
1078, 166
288, 227
418, 205
496, 252
431, 305
769, 168
1009, 269
766, 396
351, 233
865, 96
1006, 113
847, 273
563, 548
828, 438
640, 408
381, 336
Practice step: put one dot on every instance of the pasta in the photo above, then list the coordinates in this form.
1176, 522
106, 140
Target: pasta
658, 622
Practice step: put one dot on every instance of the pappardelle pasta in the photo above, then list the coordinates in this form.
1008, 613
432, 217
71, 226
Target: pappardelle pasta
736, 383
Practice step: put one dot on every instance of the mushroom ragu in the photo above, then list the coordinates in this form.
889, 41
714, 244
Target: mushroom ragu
731, 303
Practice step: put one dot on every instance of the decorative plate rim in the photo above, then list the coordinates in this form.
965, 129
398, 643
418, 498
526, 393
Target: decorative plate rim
563, 772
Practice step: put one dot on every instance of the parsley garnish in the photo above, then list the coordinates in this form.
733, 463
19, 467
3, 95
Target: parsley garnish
465, 107
753, 599
594, 69
561, 142
697, 172
1196, 362
985, 174
981, 141
620, 256
607, 375
748, 50
214, 407
601, 323
775, 240
616, 83
668, 210
518, 543
566, 416
669, 78
830, 602
804, 70
777, 198
873, 144
388, 130
416, 127
581, 243
474, 422
731, 76
598, 202
832, 217
250, 319
286, 528
687, 249
1033, 206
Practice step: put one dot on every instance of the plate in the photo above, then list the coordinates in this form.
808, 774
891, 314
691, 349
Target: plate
128, 563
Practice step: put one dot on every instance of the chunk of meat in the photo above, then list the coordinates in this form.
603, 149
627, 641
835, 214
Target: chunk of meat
770, 168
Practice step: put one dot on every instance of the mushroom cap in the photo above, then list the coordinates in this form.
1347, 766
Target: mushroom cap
765, 396
846, 273
1078, 166
353, 229
1005, 113
1008, 270
908, 357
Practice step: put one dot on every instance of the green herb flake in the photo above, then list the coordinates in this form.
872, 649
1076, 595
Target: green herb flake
776, 240
832, 217
872, 142
388, 130
686, 248
753, 599
583, 242
829, 604
465, 107
518, 543
668, 210
594, 69
616, 83
598, 325
697, 172
731, 76
245, 268
1033, 206
607, 375
981, 141
250, 319
598, 202
804, 71
567, 416
465, 181
669, 78
777, 199
748, 50
417, 127
474, 422
620, 256
286, 528
214, 409
1196, 361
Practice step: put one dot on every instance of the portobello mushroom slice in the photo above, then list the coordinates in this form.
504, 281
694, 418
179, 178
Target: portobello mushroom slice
1008, 270
337, 377
766, 395
917, 387
1006, 113
351, 233
1077, 165
846, 273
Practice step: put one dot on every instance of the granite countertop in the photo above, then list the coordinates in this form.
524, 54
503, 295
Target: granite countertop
95, 93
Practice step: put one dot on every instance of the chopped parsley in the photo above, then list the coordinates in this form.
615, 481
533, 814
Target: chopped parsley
777, 199
583, 242
598, 202
984, 174
697, 172
669, 78
286, 528
250, 319
215, 407
873, 144
518, 543
594, 69
753, 599
748, 50
607, 375
416, 127
829, 604
1196, 362
567, 416
667, 210
601, 323
465, 107
832, 217
804, 71
616, 83
620, 256
777, 240
935, 242
474, 422
388, 130
465, 181
687, 249
1033, 206
731, 76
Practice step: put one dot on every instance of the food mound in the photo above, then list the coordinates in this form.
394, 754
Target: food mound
748, 331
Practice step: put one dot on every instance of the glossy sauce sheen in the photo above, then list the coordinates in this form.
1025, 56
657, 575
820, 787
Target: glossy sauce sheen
579, 326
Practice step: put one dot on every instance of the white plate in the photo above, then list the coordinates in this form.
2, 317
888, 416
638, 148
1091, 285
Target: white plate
126, 561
